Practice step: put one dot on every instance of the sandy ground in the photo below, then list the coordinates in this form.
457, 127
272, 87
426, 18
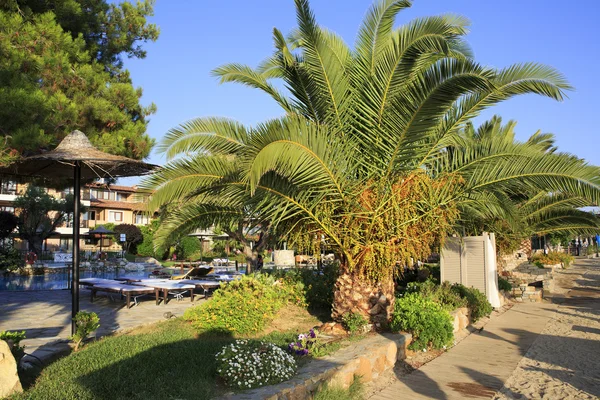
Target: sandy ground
564, 361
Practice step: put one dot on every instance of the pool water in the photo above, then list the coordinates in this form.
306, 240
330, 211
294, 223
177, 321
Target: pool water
60, 280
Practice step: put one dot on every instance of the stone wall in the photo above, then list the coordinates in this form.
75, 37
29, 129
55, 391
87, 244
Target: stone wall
461, 318
9, 379
366, 359
523, 277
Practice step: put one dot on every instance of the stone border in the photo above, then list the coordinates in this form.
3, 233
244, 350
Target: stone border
366, 359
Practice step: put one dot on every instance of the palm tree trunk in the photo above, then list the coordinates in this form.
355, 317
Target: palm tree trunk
373, 300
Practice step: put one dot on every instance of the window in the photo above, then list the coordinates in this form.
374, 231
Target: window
8, 187
66, 244
90, 215
142, 219
115, 216
93, 194
7, 208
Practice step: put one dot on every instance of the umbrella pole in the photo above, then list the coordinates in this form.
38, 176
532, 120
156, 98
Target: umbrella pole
75, 275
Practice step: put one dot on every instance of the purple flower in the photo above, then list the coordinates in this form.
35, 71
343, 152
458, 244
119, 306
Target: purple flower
301, 336
312, 334
304, 352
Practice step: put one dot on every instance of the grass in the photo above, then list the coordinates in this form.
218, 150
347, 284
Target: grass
166, 360
354, 392
172, 361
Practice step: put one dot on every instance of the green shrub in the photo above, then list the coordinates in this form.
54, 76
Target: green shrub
441, 294
320, 286
15, 338
146, 248
10, 259
187, 248
250, 364
504, 285
85, 323
354, 322
246, 305
552, 258
425, 319
478, 303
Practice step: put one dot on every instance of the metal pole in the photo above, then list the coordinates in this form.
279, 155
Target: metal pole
75, 276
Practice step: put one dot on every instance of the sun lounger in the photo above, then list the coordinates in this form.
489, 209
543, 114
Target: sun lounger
128, 291
96, 281
204, 284
194, 272
167, 287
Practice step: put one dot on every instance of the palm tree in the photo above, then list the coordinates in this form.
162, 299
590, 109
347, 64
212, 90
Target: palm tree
521, 215
369, 154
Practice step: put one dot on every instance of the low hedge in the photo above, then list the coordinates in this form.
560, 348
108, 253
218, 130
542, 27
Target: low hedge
246, 305
553, 258
478, 304
425, 319
442, 294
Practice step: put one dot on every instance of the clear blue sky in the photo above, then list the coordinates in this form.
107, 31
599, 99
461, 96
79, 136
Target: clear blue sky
197, 36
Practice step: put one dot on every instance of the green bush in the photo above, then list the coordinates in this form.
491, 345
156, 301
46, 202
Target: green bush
187, 248
320, 286
425, 319
354, 322
441, 294
246, 305
552, 258
85, 323
478, 303
10, 259
249, 364
15, 338
503, 284
146, 248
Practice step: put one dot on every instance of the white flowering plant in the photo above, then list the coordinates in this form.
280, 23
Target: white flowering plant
247, 364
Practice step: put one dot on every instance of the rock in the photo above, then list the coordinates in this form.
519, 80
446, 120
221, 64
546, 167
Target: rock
9, 379
332, 328
382, 300
375, 310
357, 296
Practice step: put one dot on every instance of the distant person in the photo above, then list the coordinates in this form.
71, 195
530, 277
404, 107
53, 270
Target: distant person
259, 262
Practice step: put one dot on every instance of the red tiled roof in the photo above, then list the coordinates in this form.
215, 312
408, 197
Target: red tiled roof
131, 189
123, 205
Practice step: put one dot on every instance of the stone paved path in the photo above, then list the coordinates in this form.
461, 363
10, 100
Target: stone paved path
46, 316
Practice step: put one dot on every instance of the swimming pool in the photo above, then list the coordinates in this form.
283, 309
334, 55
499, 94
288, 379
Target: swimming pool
60, 280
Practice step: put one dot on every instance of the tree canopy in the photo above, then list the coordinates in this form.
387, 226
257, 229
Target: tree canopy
61, 69
133, 236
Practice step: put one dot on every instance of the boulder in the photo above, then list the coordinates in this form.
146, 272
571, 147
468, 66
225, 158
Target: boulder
9, 379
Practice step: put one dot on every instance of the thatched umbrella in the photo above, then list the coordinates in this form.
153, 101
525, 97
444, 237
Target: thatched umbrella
101, 231
76, 158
